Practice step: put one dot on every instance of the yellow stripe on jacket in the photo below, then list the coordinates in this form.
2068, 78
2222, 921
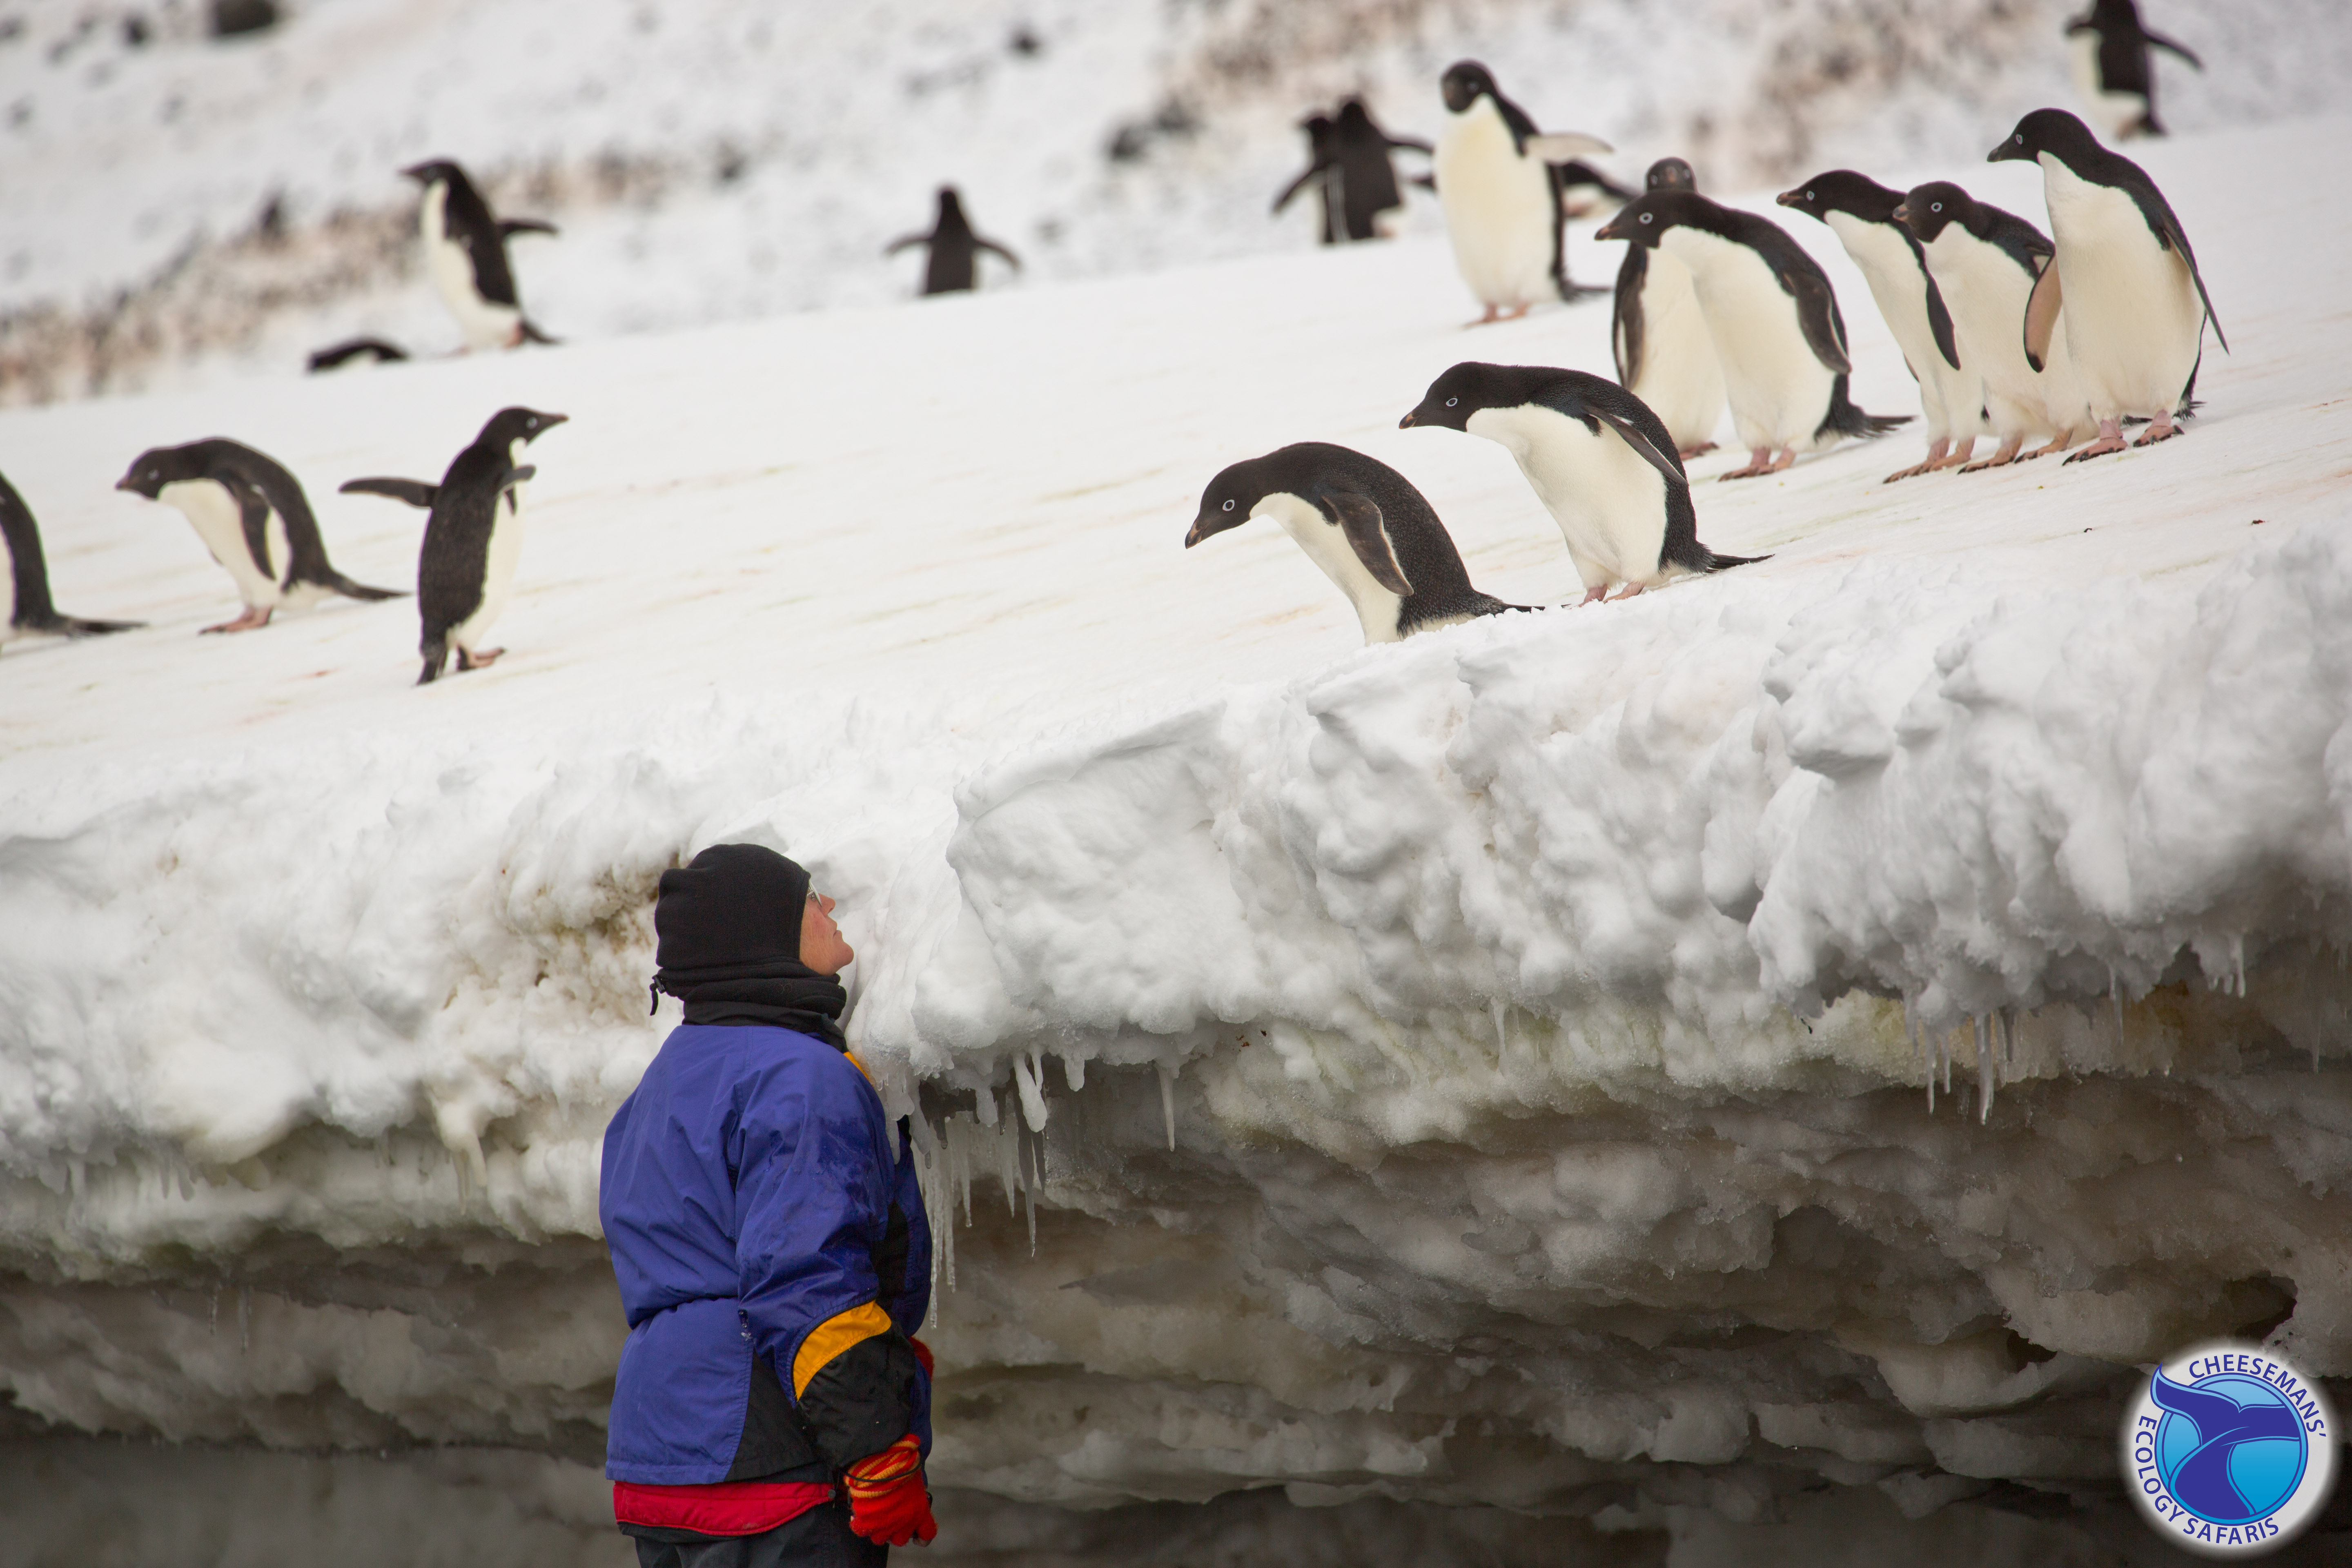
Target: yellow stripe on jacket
831, 1337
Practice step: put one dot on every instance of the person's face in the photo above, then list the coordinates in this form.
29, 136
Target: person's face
821, 948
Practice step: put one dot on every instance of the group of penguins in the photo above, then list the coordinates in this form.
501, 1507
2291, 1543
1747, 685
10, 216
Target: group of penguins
250, 512
2010, 334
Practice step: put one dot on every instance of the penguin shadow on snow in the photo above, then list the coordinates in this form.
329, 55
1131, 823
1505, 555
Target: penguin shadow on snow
252, 516
473, 538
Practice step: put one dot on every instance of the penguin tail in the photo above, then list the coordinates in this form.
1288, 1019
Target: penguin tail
75, 626
531, 335
1845, 419
1571, 291
1724, 563
350, 590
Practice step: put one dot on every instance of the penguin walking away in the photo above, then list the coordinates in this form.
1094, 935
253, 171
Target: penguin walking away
472, 540
1774, 319
1664, 353
1860, 213
2124, 285
1987, 261
374, 350
1322, 171
254, 518
1504, 208
466, 253
1602, 464
26, 586
953, 266
1364, 524
1363, 154
2108, 48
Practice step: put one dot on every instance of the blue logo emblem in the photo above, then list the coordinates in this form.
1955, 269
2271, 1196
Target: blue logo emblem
2230, 1450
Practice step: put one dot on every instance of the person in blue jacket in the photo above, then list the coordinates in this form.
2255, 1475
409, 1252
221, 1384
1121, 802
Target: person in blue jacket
773, 1406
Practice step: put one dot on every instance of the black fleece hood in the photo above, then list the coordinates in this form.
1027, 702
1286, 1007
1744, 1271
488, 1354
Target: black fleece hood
728, 930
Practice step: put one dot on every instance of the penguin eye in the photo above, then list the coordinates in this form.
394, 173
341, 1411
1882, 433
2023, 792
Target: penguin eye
1229, 506
1809, 196
2020, 138
1646, 217
1935, 207
1452, 401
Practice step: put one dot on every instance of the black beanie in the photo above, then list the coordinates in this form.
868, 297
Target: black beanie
727, 937
733, 906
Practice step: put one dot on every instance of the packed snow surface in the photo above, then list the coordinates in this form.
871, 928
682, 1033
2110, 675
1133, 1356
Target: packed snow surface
1824, 1022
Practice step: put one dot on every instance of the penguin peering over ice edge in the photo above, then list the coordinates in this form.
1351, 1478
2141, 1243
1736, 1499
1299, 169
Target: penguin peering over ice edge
2108, 50
26, 586
2124, 287
1504, 209
254, 518
1602, 464
1860, 213
1658, 335
473, 539
1774, 319
1987, 262
953, 263
1363, 524
466, 254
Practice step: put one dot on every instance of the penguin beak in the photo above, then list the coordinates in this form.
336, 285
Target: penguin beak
1787, 198
1406, 423
1609, 230
1212, 522
1902, 213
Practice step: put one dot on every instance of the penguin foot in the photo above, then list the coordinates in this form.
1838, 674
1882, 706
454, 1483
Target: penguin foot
1958, 458
2099, 448
251, 620
1593, 595
1999, 460
2164, 429
1701, 450
1760, 462
2057, 444
476, 659
1934, 460
1626, 592
1494, 313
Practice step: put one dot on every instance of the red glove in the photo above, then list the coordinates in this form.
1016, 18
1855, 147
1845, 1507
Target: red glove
888, 1503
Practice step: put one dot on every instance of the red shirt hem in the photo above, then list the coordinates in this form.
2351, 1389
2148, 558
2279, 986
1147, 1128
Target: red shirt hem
721, 1507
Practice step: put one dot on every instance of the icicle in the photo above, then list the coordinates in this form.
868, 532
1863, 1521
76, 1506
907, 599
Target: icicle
1984, 1068
1944, 1048
1168, 1104
1911, 1025
2009, 1041
2238, 961
1074, 1071
243, 1317
1502, 1032
211, 1313
962, 1129
984, 1106
1008, 1154
2116, 995
1028, 1077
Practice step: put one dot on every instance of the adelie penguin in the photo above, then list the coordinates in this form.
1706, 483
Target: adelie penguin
1601, 462
2124, 287
1363, 524
1860, 213
31, 611
1664, 355
472, 540
1987, 262
953, 265
254, 518
2108, 46
1504, 210
1774, 320
1349, 166
465, 255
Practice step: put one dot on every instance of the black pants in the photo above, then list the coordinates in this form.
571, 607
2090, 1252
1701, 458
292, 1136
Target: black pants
821, 1537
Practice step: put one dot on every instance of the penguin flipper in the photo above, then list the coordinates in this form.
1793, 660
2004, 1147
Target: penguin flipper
1358, 517
1563, 146
341, 354
415, 492
1817, 315
1666, 462
896, 246
992, 245
2042, 309
1940, 321
2159, 41
511, 227
1296, 186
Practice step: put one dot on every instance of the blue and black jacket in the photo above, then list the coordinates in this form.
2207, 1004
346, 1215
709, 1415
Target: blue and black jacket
774, 1261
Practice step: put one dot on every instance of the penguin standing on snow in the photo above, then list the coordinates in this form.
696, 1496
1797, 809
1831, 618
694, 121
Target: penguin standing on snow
1774, 320
1363, 151
254, 518
1322, 171
1601, 462
1987, 261
473, 539
1663, 352
466, 254
1860, 213
2124, 285
1364, 524
1504, 210
953, 266
26, 582
2108, 48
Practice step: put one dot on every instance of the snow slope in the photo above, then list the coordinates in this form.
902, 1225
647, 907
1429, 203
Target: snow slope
1473, 1070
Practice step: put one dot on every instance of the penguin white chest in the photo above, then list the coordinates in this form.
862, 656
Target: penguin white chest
1778, 387
1678, 377
1609, 503
2132, 317
1379, 608
484, 323
1498, 209
498, 570
1949, 396
219, 522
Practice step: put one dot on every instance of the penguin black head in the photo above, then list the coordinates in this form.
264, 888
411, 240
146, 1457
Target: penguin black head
1670, 175
2050, 131
1464, 83
1928, 208
1230, 498
1354, 116
950, 204
151, 469
436, 171
1648, 215
1843, 191
508, 426
1463, 391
